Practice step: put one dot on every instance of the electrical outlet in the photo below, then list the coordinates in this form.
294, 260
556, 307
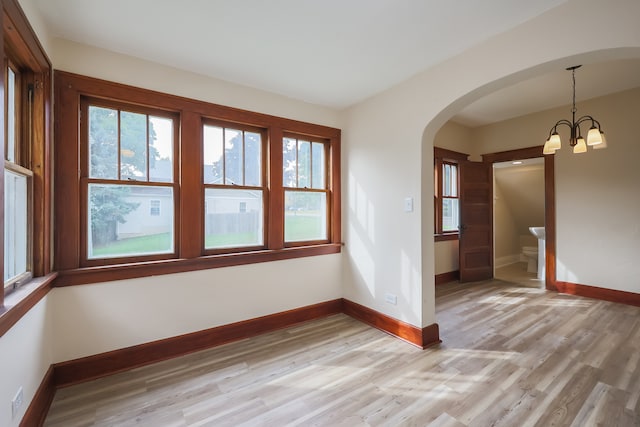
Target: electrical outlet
391, 298
16, 403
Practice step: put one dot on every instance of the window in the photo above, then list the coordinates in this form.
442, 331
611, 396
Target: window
306, 195
129, 165
447, 191
168, 184
18, 181
234, 192
450, 202
25, 165
154, 207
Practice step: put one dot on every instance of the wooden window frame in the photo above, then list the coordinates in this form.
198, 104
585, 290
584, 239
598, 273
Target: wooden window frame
71, 88
264, 179
327, 190
20, 47
442, 156
86, 180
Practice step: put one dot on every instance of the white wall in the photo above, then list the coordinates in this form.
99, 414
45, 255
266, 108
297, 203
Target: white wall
388, 142
92, 319
26, 351
103, 64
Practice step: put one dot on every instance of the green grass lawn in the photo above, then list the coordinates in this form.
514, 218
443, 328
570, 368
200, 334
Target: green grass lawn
154, 243
303, 227
213, 241
297, 228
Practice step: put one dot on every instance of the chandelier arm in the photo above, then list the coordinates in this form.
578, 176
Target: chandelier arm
583, 119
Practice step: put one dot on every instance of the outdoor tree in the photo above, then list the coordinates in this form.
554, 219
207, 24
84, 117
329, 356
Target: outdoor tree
108, 203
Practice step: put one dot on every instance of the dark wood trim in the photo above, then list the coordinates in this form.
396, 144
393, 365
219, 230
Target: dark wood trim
422, 338
604, 294
39, 407
550, 222
27, 296
446, 237
81, 276
430, 336
549, 202
100, 365
510, 155
3, 55
445, 154
448, 277
68, 216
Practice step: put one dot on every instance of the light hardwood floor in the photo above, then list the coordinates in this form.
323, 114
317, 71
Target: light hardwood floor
511, 356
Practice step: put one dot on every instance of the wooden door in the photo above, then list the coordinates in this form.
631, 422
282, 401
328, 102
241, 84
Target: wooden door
476, 221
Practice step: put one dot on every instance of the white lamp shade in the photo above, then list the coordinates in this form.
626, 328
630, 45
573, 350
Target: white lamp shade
554, 141
594, 137
580, 147
603, 144
546, 149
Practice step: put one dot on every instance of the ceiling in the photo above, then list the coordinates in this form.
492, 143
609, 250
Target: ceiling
331, 52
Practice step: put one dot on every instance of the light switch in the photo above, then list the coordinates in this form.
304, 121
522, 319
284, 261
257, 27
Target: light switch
408, 204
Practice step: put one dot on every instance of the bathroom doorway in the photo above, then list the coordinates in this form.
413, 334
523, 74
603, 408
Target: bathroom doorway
519, 220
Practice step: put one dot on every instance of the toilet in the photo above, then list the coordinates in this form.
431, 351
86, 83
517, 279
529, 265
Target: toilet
530, 254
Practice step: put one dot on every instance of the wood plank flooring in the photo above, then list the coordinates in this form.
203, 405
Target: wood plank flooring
511, 356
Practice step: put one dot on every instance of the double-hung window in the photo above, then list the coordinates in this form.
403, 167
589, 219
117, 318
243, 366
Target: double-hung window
234, 191
128, 173
447, 165
169, 184
18, 181
306, 194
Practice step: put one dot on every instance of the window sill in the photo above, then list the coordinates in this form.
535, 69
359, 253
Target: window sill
20, 301
445, 237
81, 276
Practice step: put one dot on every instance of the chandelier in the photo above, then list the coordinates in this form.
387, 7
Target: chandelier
595, 136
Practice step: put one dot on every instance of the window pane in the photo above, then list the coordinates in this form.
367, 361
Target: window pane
233, 157
11, 116
305, 216
233, 218
15, 224
450, 214
318, 162
103, 143
252, 159
446, 180
133, 146
160, 149
289, 162
304, 164
121, 221
454, 181
212, 150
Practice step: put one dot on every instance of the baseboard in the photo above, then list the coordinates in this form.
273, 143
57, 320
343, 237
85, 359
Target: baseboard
96, 366
422, 338
37, 410
595, 292
100, 365
503, 261
450, 276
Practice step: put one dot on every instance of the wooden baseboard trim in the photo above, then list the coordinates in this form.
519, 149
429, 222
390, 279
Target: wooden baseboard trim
37, 410
96, 366
595, 292
100, 365
422, 338
447, 277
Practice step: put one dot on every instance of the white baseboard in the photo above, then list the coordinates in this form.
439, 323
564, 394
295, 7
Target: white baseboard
503, 261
